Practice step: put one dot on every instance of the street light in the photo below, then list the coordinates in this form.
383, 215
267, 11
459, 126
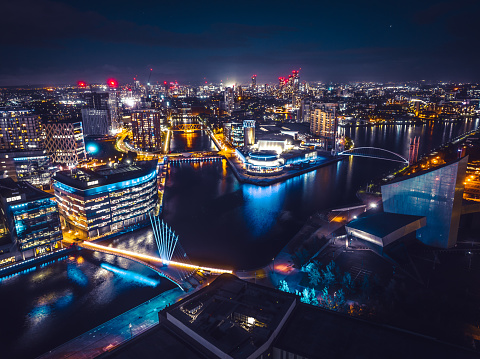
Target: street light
373, 205
130, 326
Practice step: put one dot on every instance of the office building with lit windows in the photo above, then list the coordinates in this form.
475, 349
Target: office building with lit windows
107, 199
31, 166
30, 221
146, 130
65, 143
20, 130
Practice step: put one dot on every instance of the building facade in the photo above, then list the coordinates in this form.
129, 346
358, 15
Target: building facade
65, 143
31, 166
146, 130
95, 122
20, 131
248, 132
436, 194
106, 200
323, 122
31, 219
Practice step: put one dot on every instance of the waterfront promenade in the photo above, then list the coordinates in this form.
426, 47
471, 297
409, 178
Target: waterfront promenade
117, 330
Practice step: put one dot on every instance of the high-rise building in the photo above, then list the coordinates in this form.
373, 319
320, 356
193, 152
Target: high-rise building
229, 100
30, 217
436, 194
20, 131
323, 121
31, 166
254, 82
95, 122
97, 100
146, 130
65, 143
107, 199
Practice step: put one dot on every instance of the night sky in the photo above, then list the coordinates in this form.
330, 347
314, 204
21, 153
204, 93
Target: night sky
52, 42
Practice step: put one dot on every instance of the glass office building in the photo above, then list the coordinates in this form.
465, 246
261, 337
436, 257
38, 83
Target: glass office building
95, 203
31, 217
436, 194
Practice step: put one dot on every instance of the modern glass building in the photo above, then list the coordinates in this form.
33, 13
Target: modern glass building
32, 166
436, 194
31, 218
105, 200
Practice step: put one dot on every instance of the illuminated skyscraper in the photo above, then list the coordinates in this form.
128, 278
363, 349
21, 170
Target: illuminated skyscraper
146, 131
254, 82
229, 100
322, 121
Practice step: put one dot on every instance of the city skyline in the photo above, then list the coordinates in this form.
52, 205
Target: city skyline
52, 42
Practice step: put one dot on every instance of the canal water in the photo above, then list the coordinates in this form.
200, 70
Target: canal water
219, 222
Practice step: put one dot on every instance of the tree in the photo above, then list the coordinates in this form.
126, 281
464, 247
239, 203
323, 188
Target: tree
305, 298
347, 283
283, 286
339, 300
313, 297
328, 276
326, 299
314, 276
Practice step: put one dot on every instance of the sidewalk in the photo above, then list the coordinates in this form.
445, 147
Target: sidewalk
117, 330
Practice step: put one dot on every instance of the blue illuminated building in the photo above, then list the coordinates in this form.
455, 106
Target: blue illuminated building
102, 201
435, 194
31, 223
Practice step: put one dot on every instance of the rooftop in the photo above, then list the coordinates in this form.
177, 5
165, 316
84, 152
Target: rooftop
83, 178
383, 223
234, 316
21, 191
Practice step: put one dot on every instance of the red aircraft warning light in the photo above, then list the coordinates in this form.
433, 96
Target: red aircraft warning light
82, 84
112, 83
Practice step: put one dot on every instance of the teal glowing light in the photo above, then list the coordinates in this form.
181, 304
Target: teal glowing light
92, 148
135, 277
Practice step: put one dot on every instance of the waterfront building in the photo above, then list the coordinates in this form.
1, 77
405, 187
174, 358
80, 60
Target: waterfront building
20, 130
146, 130
65, 143
95, 122
264, 163
105, 200
31, 166
233, 133
30, 221
248, 132
435, 194
323, 121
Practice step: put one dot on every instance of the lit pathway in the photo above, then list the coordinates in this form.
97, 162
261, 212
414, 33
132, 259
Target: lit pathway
117, 330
